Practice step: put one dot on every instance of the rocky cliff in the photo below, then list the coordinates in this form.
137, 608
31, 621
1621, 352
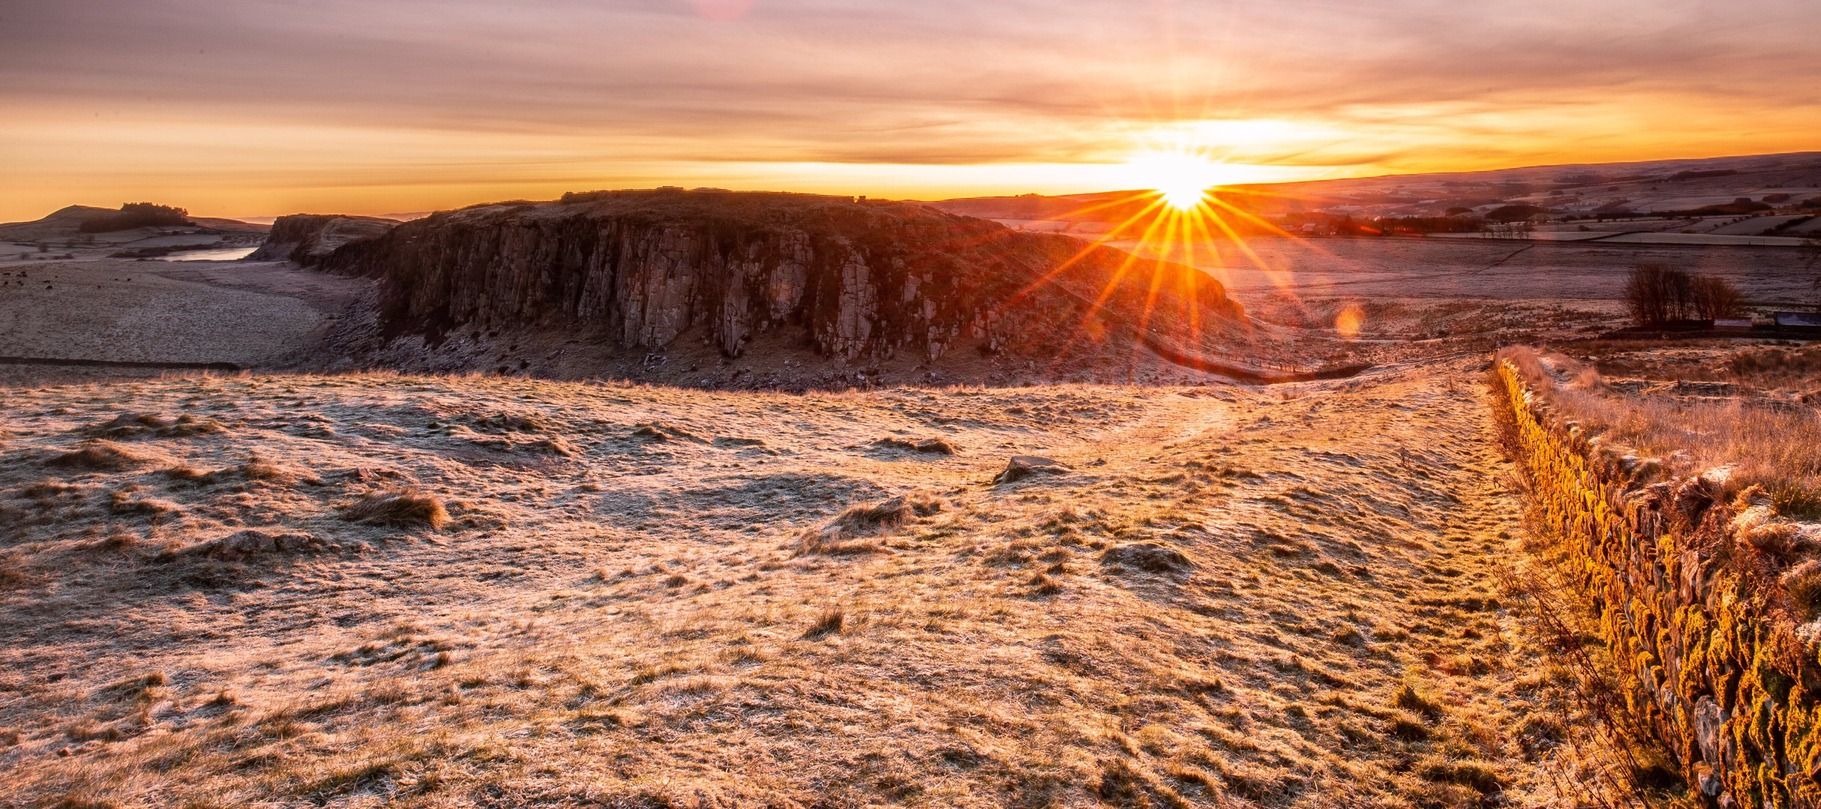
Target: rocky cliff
310, 239
660, 273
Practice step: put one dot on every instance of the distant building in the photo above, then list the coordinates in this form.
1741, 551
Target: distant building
1797, 324
1733, 324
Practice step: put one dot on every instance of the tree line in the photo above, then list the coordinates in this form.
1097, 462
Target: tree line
1657, 295
136, 215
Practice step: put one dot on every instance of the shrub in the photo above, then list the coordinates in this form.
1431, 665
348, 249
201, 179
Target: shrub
1742, 206
1514, 213
1700, 174
1715, 297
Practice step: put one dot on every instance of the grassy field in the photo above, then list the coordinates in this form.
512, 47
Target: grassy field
1503, 271
251, 314
1743, 409
346, 591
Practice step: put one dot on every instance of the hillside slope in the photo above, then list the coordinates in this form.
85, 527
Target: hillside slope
64, 226
1665, 185
657, 597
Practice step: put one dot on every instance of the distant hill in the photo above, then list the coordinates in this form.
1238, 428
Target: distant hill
62, 224
65, 226
1784, 180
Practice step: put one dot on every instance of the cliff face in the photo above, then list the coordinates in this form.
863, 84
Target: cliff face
310, 239
853, 280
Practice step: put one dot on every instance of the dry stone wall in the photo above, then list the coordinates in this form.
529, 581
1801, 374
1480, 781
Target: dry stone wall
1708, 652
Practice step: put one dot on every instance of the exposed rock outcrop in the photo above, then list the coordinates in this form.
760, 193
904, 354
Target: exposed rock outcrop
251, 543
1024, 466
852, 281
311, 239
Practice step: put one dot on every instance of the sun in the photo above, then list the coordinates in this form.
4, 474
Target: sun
1183, 196
1182, 176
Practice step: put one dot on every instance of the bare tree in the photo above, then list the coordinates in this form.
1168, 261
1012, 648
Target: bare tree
1656, 294
1715, 298
1811, 252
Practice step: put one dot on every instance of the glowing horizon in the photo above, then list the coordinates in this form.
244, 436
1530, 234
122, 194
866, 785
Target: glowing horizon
264, 108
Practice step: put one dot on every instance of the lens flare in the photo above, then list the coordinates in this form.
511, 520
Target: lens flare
1184, 231
1348, 322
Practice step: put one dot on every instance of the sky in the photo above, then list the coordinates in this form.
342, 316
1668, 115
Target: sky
265, 107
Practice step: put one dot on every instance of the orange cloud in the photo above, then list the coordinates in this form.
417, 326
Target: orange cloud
263, 106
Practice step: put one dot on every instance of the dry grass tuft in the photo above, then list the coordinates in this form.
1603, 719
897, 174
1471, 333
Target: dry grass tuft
826, 542
261, 470
886, 513
1409, 699
932, 446
100, 456
118, 540
13, 573
125, 502
1043, 585
829, 622
1779, 543
1149, 557
186, 473
257, 469
136, 425
408, 508
1407, 726
1802, 584
514, 422
659, 432
845, 534
130, 424
1476, 775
